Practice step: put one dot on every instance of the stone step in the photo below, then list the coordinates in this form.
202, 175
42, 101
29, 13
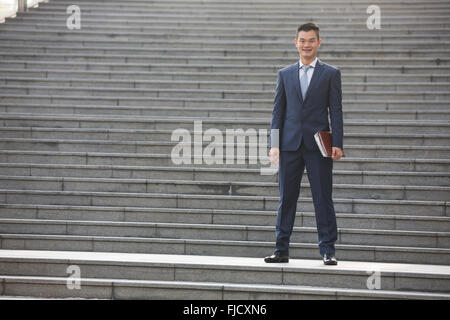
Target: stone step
49, 287
167, 147
214, 112
208, 67
247, 16
342, 6
216, 216
218, 173
144, 267
247, 10
418, 15
72, 136
6, 297
373, 237
64, 33
165, 135
217, 85
171, 28
247, 104
138, 50
285, 8
326, 25
330, 21
257, 249
261, 5
231, 4
224, 94
431, 166
218, 187
229, 202
204, 123
243, 44
224, 77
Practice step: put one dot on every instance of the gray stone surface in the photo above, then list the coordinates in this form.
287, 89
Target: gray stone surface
86, 175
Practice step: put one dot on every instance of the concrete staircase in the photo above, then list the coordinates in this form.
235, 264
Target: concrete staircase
87, 179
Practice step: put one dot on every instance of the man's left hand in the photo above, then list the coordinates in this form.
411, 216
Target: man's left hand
337, 153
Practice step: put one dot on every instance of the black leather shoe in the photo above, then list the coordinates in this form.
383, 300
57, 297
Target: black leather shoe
329, 260
277, 258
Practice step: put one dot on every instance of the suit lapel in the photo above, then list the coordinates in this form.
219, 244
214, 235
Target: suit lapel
314, 80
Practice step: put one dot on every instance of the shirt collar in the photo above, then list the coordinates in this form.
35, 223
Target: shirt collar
312, 64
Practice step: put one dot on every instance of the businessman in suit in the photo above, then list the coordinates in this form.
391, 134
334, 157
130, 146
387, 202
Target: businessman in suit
306, 93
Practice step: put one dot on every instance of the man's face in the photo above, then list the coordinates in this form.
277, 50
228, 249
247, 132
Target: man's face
307, 44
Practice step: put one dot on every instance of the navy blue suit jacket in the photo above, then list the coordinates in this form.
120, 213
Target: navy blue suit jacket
299, 119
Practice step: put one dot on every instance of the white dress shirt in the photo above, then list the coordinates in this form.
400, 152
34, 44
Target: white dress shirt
310, 70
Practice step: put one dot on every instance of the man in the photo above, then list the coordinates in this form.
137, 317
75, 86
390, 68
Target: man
305, 92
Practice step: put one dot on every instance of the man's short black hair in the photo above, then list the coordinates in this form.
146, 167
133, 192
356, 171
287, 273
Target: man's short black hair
308, 27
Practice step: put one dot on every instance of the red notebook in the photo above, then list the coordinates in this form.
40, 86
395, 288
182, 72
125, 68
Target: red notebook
323, 140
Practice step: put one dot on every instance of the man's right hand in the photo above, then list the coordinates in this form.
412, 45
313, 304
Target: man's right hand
274, 155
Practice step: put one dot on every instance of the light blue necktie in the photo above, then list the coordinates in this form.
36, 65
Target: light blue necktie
304, 81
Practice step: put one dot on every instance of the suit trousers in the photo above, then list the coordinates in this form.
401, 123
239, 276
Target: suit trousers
291, 167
